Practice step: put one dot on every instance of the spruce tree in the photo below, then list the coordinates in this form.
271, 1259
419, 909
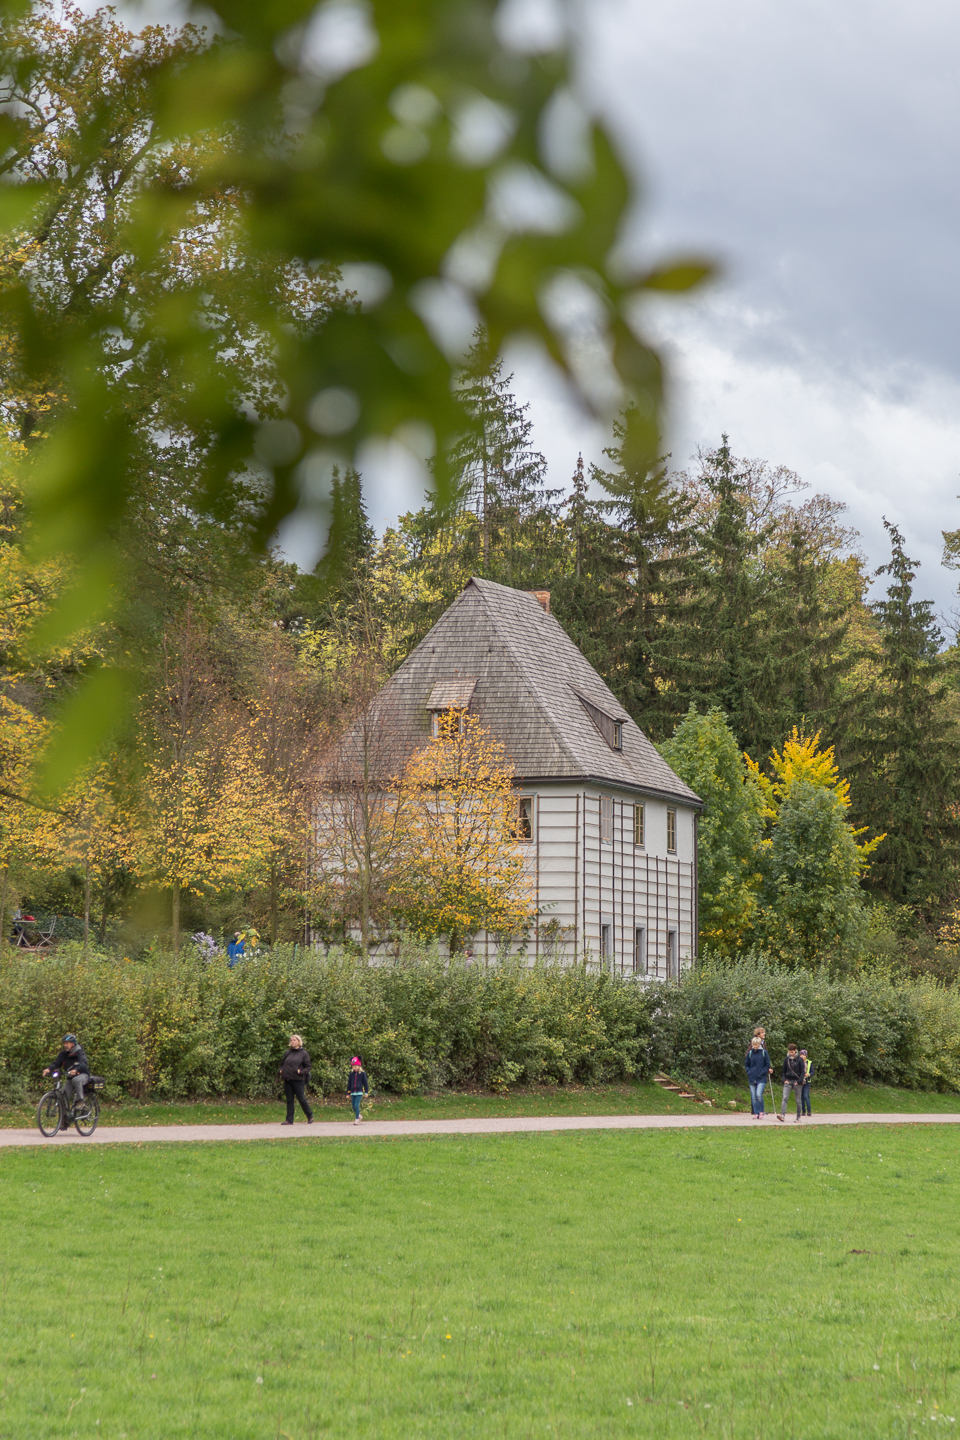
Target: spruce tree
500, 478
583, 577
334, 595
502, 521
721, 646
649, 517
812, 626
907, 773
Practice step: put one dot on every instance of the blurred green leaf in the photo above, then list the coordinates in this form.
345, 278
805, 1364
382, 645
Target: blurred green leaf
679, 275
174, 210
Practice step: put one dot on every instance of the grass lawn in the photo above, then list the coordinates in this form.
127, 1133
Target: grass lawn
728, 1284
639, 1098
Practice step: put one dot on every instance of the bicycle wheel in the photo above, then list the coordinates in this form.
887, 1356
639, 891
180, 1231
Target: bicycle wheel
48, 1114
86, 1113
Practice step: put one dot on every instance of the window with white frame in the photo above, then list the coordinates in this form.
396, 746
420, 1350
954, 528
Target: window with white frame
671, 832
606, 819
640, 950
447, 722
525, 817
448, 704
639, 818
606, 940
673, 958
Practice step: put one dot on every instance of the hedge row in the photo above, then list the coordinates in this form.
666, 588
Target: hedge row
178, 1028
867, 1026
169, 1028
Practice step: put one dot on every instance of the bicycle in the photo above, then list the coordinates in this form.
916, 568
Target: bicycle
55, 1112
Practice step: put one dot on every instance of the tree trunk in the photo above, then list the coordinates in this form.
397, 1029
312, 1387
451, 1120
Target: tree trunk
365, 908
86, 907
176, 917
3, 900
274, 903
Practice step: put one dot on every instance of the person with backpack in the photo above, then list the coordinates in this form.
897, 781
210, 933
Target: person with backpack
357, 1087
805, 1090
72, 1058
793, 1076
295, 1074
759, 1070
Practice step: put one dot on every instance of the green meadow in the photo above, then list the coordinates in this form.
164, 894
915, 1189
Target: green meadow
784, 1282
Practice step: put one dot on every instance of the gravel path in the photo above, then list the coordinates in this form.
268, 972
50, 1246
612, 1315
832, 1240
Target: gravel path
345, 1130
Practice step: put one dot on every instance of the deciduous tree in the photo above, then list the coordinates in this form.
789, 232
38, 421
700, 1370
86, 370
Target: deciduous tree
463, 869
704, 753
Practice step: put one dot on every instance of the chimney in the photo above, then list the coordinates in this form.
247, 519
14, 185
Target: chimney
542, 598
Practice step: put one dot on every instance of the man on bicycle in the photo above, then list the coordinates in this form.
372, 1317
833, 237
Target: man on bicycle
74, 1061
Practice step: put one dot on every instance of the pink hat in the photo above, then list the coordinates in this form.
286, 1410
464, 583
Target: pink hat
356, 1060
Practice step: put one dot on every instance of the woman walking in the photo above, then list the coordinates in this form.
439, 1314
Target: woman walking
793, 1076
759, 1070
357, 1087
295, 1074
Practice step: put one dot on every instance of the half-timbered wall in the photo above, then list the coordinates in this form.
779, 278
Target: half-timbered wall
632, 907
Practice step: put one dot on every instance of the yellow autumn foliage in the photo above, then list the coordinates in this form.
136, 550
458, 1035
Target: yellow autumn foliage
463, 869
802, 759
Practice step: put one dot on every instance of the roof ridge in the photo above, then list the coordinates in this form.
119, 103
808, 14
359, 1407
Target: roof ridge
516, 661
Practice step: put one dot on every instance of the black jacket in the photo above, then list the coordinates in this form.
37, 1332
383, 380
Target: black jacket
793, 1068
71, 1060
358, 1081
295, 1065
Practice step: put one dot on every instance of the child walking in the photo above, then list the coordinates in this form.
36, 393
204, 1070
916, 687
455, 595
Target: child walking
805, 1088
357, 1086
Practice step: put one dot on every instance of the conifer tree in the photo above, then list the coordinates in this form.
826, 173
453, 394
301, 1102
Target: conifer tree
501, 523
721, 645
812, 628
907, 775
500, 477
649, 518
583, 575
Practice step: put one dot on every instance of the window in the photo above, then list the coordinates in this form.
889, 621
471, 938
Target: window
638, 818
447, 722
524, 830
609, 726
606, 819
640, 951
448, 703
606, 940
673, 968
671, 832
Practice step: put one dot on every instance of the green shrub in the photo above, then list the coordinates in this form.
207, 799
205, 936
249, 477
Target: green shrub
866, 1026
172, 1028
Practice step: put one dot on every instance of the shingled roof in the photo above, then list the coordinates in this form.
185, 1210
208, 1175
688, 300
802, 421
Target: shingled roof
533, 689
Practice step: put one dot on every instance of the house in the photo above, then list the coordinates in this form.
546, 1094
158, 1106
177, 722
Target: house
610, 830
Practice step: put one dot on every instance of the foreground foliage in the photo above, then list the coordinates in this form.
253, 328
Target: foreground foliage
476, 1287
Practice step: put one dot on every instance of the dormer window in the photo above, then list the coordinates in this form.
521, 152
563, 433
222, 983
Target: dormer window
447, 722
610, 726
448, 704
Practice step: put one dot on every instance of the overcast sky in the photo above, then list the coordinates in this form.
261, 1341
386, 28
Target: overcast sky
813, 149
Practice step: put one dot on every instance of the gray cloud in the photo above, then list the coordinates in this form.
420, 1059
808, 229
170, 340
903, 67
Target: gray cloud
815, 150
